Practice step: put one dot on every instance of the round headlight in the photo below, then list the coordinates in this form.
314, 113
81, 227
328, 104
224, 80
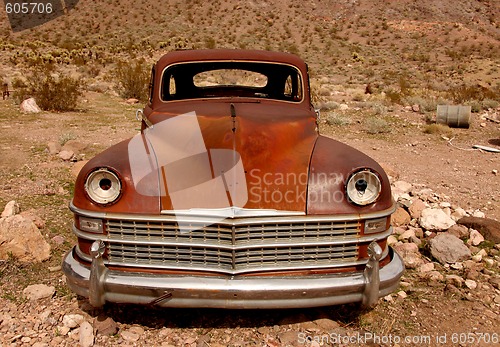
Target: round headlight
363, 187
103, 186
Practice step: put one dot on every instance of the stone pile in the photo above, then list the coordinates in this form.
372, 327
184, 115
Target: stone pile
445, 244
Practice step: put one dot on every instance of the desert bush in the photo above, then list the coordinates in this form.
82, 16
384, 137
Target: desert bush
51, 92
55, 93
490, 103
21, 91
329, 105
464, 93
440, 129
132, 79
338, 119
376, 125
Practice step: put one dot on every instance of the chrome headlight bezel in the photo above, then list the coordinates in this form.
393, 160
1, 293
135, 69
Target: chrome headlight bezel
103, 186
367, 179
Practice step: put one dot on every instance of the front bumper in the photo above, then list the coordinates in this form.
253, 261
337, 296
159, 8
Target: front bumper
101, 285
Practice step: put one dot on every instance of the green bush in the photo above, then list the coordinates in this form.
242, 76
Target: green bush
132, 79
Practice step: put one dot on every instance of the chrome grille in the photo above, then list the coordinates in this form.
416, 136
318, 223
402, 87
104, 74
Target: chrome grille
233, 247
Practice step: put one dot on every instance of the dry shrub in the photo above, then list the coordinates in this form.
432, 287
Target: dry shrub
132, 79
440, 129
376, 125
51, 92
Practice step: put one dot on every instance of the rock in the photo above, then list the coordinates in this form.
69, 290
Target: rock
410, 254
77, 167
63, 330
478, 257
343, 107
86, 334
20, 237
478, 214
495, 282
39, 222
326, 324
453, 290
402, 186
459, 231
475, 238
435, 219
74, 146
72, 320
407, 234
471, 284
458, 213
400, 217
66, 155
455, 280
415, 108
402, 294
399, 188
489, 228
132, 101
105, 325
38, 291
428, 267
416, 208
129, 336
391, 240
415, 240
434, 278
11, 209
30, 106
447, 248
289, 338
58, 239
53, 147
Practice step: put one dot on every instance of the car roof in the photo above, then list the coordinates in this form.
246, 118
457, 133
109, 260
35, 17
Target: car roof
230, 54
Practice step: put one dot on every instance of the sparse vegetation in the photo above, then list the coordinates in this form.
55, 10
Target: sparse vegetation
52, 91
439, 129
337, 119
132, 79
375, 125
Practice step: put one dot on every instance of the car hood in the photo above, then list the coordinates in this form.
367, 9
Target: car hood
227, 157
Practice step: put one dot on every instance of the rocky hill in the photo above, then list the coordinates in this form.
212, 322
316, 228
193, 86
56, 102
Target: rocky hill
436, 43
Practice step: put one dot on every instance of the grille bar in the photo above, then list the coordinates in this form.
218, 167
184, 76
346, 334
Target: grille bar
233, 249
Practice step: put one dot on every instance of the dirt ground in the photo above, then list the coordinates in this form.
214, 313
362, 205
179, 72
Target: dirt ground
424, 314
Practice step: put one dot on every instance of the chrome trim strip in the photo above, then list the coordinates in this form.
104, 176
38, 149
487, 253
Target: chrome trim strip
87, 258
239, 221
230, 212
355, 239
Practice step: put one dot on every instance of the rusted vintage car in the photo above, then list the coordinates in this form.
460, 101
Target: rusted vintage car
230, 198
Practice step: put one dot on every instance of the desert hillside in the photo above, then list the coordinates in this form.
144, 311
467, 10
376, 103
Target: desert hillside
436, 44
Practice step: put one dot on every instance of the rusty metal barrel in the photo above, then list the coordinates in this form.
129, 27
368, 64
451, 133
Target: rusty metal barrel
455, 116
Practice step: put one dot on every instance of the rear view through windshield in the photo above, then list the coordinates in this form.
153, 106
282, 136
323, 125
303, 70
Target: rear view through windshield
231, 79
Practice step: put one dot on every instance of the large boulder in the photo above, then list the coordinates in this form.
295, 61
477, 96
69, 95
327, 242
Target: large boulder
30, 106
489, 228
435, 219
447, 248
20, 237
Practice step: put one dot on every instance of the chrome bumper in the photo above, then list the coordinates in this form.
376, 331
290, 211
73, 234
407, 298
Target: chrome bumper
102, 285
